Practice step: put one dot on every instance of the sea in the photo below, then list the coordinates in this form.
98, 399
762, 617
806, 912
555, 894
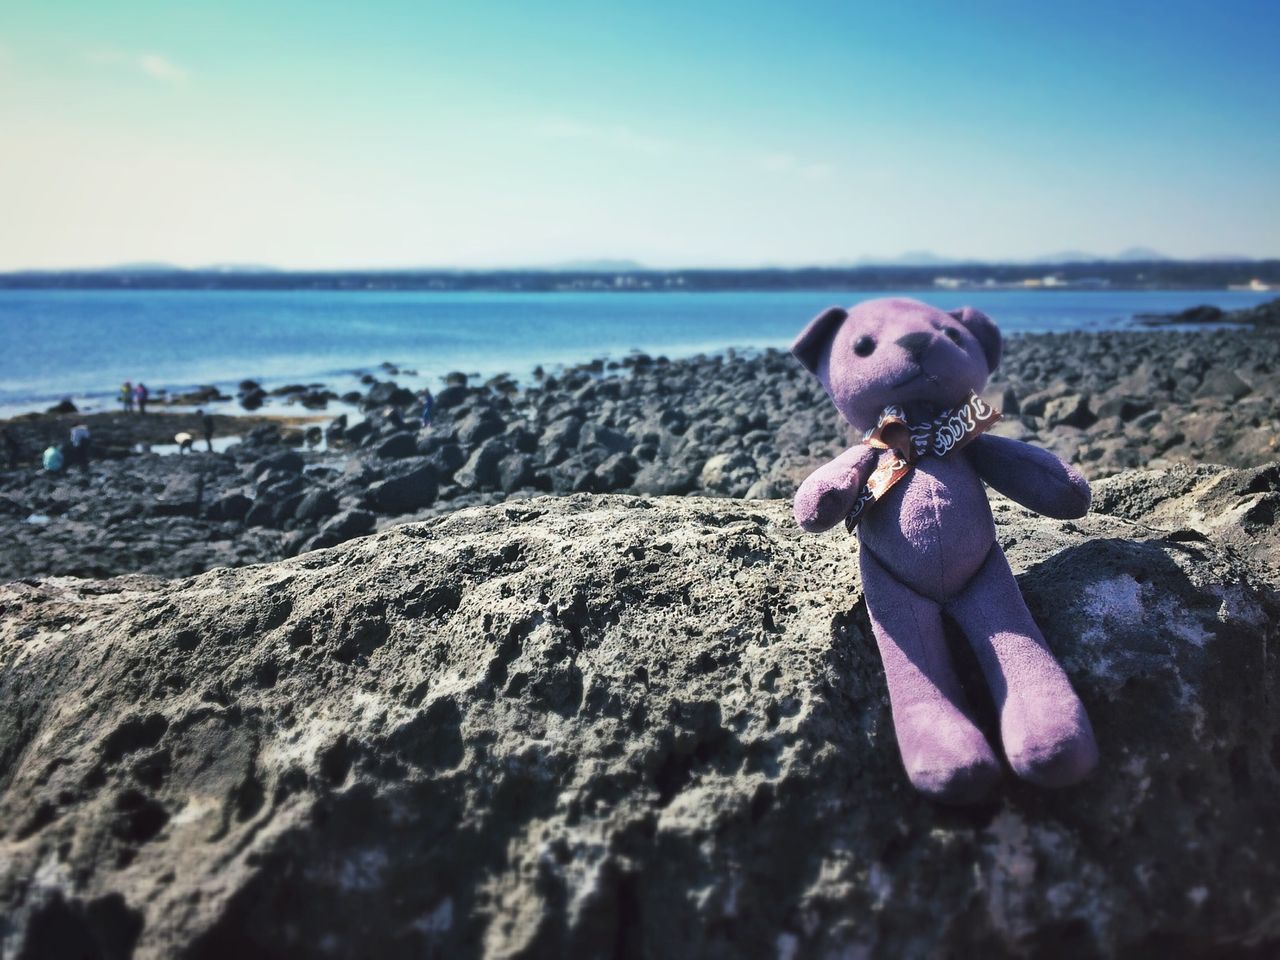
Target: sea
81, 345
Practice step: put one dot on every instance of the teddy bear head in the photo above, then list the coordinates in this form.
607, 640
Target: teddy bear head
900, 352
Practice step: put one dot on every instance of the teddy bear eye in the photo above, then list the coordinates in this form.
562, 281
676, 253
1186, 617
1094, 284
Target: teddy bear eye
952, 334
864, 346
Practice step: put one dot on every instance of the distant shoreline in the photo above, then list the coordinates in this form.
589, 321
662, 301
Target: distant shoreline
1259, 275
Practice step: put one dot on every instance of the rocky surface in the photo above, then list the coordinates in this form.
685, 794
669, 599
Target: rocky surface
735, 426
619, 726
117, 435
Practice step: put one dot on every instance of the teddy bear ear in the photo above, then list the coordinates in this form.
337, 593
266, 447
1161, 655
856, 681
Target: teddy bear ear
815, 339
985, 329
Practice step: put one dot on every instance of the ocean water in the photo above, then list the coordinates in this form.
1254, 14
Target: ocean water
83, 344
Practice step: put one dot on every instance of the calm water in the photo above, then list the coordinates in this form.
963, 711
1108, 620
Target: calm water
82, 344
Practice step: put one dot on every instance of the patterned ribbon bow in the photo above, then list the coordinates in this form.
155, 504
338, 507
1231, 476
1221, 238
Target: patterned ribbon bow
904, 444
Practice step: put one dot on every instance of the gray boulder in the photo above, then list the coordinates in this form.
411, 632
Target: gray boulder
182, 496
397, 446
345, 525
406, 493
316, 505
478, 426
480, 472
387, 393
232, 506
600, 726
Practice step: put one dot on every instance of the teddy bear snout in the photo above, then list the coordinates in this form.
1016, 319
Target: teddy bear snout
915, 344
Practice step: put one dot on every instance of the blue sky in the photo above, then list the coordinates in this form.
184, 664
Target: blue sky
414, 134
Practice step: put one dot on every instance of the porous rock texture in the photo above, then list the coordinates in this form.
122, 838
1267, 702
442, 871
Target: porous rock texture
624, 727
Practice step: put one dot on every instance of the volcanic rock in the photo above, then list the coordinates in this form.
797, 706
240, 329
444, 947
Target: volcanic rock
600, 726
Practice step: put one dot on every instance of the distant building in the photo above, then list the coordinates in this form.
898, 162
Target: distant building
1253, 286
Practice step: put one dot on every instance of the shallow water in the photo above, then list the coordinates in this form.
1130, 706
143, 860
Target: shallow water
82, 344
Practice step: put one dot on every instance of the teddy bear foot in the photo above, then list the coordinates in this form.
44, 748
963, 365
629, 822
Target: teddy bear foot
1056, 762
971, 782
946, 757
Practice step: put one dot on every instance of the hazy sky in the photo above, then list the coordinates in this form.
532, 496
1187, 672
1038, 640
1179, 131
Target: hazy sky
317, 134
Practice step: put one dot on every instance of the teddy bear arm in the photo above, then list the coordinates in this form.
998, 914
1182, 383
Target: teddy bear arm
1031, 476
829, 493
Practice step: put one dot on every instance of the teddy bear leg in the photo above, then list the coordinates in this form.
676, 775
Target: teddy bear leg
1047, 735
945, 754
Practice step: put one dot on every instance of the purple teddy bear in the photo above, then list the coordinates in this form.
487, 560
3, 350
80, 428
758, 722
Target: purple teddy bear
909, 374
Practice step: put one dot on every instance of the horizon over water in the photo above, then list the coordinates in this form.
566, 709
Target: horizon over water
83, 344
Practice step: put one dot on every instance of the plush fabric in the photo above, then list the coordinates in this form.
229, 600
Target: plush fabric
928, 548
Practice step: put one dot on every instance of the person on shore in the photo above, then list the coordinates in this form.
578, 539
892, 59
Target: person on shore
80, 446
206, 424
184, 441
52, 459
126, 396
140, 394
11, 448
428, 405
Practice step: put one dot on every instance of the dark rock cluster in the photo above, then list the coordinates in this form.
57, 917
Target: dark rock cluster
631, 727
735, 426
1113, 401
1263, 315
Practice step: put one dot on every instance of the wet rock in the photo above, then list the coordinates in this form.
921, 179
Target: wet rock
725, 471
386, 393
514, 471
1071, 409
262, 513
480, 472
357, 433
347, 524
316, 505
616, 472
198, 397
317, 399
560, 439
232, 506
407, 493
182, 495
452, 396
602, 440
662, 479
286, 461
1219, 382
1126, 408
478, 426
398, 445
253, 399
447, 458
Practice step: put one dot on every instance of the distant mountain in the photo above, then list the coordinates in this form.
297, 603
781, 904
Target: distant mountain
157, 266
912, 258
239, 268
1226, 258
140, 267
1068, 256
1139, 253
926, 258
595, 266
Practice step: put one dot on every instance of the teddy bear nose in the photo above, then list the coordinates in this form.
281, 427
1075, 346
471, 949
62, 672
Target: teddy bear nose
914, 343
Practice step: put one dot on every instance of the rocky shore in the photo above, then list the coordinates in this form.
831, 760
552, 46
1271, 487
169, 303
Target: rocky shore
627, 726
747, 426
